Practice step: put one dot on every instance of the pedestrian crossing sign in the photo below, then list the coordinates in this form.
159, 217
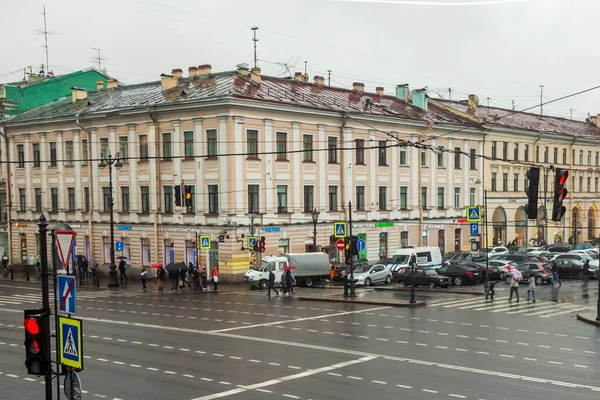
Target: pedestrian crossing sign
71, 345
473, 214
205, 242
339, 229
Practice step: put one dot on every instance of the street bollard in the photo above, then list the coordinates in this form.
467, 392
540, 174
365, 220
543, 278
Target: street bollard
27, 274
346, 284
12, 274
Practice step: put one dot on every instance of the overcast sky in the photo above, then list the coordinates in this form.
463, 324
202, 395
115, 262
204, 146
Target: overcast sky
503, 51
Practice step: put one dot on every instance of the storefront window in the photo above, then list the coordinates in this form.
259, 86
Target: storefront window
442, 241
404, 239
383, 245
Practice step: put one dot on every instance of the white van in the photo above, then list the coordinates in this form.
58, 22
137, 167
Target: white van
426, 257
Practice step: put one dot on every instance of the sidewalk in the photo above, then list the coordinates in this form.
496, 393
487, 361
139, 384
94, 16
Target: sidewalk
383, 298
588, 318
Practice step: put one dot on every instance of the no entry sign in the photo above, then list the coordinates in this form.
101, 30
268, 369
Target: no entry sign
339, 244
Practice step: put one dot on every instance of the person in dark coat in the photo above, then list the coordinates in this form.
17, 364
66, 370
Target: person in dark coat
271, 284
122, 269
182, 274
289, 281
196, 277
555, 275
173, 277
283, 284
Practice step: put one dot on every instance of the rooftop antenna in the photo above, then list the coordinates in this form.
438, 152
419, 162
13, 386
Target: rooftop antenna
328, 77
305, 65
488, 101
45, 33
541, 99
98, 59
571, 114
450, 93
255, 40
513, 106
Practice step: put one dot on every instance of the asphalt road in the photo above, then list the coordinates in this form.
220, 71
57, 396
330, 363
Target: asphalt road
242, 345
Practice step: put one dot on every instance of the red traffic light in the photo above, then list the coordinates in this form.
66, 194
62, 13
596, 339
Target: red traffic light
32, 326
33, 347
562, 176
562, 194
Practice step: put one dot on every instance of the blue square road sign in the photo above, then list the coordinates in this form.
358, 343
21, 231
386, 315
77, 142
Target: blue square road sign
67, 294
474, 228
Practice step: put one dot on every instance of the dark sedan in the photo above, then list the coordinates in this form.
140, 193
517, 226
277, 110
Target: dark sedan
422, 277
343, 270
461, 274
569, 268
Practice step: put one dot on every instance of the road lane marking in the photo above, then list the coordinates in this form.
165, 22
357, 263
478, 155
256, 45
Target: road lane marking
429, 390
529, 359
380, 382
581, 366
404, 386
460, 396
356, 378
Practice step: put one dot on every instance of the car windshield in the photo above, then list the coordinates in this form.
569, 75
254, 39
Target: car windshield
401, 259
430, 272
586, 257
362, 269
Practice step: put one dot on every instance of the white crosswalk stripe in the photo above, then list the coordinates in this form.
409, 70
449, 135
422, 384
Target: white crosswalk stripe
543, 309
32, 298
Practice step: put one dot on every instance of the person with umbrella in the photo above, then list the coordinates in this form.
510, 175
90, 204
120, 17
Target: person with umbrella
515, 278
173, 271
289, 278
123, 269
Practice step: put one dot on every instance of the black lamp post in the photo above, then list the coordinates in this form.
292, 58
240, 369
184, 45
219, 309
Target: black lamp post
315, 218
116, 162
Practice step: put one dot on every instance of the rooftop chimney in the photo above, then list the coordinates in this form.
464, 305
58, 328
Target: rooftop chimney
78, 94
305, 78
358, 86
298, 77
204, 69
319, 80
192, 71
402, 92
472, 104
255, 75
242, 69
420, 99
99, 85
596, 120
111, 83
168, 81
379, 91
177, 72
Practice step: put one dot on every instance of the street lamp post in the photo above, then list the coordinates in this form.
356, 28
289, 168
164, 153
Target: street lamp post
315, 218
116, 162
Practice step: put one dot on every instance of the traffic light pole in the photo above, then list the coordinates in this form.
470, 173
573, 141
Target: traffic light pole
352, 292
46, 306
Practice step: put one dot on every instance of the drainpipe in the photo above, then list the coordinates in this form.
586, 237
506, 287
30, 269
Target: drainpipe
343, 165
91, 184
8, 194
420, 185
156, 148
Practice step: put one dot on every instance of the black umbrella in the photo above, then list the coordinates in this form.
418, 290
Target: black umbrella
122, 258
172, 267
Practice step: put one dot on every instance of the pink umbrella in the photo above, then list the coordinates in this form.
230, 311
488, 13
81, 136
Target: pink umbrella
289, 268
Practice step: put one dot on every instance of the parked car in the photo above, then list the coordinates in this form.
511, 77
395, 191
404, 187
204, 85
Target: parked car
540, 271
372, 274
492, 271
422, 277
504, 266
343, 270
492, 251
461, 274
517, 257
453, 255
571, 268
469, 257
579, 257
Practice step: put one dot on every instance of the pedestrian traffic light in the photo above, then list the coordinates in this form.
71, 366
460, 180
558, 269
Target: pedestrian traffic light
36, 359
533, 178
560, 194
189, 196
261, 247
177, 195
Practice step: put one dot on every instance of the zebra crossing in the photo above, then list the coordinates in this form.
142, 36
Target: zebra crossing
36, 298
542, 309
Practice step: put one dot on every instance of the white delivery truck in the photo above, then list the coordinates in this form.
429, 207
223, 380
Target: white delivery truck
310, 268
426, 257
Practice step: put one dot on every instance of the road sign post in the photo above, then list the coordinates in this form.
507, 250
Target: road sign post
68, 294
71, 344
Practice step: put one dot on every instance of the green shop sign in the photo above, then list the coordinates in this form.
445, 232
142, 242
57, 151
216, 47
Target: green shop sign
383, 224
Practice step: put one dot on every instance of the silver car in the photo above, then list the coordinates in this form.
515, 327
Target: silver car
372, 274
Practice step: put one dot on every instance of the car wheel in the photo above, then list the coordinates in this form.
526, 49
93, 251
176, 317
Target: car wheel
580, 275
458, 281
309, 282
368, 282
431, 285
539, 280
507, 279
263, 284
402, 284
388, 280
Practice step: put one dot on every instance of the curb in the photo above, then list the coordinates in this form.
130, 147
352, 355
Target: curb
405, 289
588, 318
369, 302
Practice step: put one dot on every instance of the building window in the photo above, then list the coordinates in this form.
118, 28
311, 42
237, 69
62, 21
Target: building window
309, 198
403, 197
84, 151
580, 157
54, 198
403, 155
281, 146
253, 199
537, 153
382, 153
457, 191
382, 198
564, 160
124, 199
505, 182
282, 198
589, 185
360, 151
504, 151
191, 208
333, 198
589, 160
404, 239
581, 183
213, 199
71, 198
53, 154
21, 155
597, 157
123, 149
515, 182
440, 197
556, 155
22, 199
526, 153
86, 199
493, 181
546, 154
472, 160
457, 155
596, 184
424, 198
472, 195
494, 150
143, 147
441, 153
307, 147
516, 152
252, 143
360, 198
332, 153
104, 146
106, 198
188, 144
36, 155
573, 156
145, 194
38, 199
211, 142
167, 146
168, 198
423, 157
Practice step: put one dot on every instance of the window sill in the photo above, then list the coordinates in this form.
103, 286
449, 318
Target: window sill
309, 161
69, 165
143, 161
283, 213
52, 166
383, 165
166, 159
282, 160
360, 163
212, 157
123, 212
333, 163
188, 158
167, 213
211, 214
144, 213
36, 166
252, 159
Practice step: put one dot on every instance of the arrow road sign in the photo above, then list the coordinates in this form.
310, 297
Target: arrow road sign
474, 228
67, 293
360, 245
64, 242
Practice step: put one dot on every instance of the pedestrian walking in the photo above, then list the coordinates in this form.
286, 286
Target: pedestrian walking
190, 274
289, 281
555, 275
5, 261
215, 278
182, 274
531, 287
80, 269
160, 275
492, 289
94, 268
122, 270
271, 283
196, 278
143, 276
586, 278
283, 285
204, 276
332, 271
514, 288
486, 283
